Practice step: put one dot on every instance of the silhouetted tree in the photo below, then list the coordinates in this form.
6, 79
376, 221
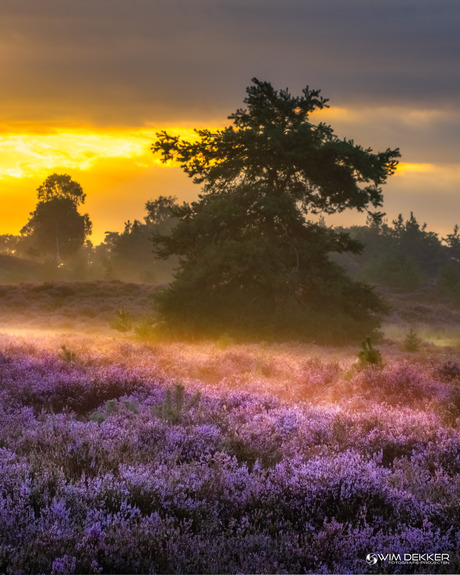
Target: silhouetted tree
399, 256
251, 260
55, 227
423, 246
61, 186
452, 242
160, 212
10, 244
130, 253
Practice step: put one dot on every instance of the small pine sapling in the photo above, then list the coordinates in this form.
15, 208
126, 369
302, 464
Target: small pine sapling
369, 355
175, 406
412, 342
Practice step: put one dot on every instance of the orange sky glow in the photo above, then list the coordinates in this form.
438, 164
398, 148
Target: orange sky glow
116, 168
119, 173
85, 86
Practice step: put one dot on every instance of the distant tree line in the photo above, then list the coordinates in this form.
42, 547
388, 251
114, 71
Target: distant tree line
405, 256
54, 243
402, 255
130, 254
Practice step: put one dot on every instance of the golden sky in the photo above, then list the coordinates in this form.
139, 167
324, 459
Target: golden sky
115, 167
85, 86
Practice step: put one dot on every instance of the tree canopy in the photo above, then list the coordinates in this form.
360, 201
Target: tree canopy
55, 228
61, 186
251, 259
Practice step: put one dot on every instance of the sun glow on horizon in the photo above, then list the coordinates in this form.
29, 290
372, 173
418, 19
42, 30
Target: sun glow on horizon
119, 172
115, 166
25, 155
408, 167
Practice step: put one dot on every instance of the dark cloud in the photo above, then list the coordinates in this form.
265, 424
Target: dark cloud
135, 61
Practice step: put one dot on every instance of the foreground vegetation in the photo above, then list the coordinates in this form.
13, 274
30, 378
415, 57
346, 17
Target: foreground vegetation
121, 455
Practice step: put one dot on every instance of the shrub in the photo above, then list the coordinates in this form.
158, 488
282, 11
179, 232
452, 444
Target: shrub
397, 271
369, 355
448, 283
411, 342
175, 405
449, 370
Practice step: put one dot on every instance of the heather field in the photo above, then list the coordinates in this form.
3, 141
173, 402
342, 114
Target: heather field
122, 453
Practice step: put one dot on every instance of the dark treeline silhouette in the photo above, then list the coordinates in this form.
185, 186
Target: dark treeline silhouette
129, 255
54, 244
404, 256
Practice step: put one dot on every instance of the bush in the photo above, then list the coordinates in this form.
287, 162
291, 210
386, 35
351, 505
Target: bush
448, 283
412, 342
369, 355
396, 271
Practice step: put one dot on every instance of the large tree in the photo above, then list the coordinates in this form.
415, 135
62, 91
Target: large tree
56, 229
253, 260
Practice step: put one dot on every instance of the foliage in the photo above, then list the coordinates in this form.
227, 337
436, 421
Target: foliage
421, 245
397, 271
411, 342
452, 242
9, 244
450, 370
146, 329
402, 255
251, 260
448, 281
175, 406
61, 187
369, 355
55, 228
129, 254
67, 354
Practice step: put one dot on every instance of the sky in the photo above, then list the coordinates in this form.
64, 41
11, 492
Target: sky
86, 84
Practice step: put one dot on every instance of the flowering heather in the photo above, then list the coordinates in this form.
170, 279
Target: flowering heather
126, 457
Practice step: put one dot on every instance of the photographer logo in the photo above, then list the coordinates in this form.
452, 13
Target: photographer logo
408, 558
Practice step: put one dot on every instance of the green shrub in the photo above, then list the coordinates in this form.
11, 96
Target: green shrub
448, 283
412, 342
369, 355
146, 329
175, 405
396, 271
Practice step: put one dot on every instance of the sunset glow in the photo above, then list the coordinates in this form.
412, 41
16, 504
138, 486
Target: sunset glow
28, 155
407, 168
87, 85
116, 168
